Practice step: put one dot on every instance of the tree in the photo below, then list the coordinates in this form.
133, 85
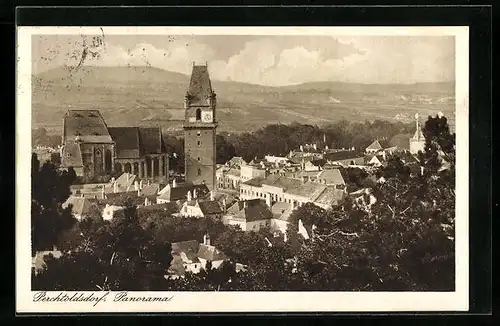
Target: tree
113, 255
50, 188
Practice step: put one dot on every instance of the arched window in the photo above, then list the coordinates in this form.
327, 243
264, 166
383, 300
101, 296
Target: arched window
198, 114
199, 171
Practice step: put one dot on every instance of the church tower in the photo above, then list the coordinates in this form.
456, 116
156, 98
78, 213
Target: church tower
200, 129
417, 142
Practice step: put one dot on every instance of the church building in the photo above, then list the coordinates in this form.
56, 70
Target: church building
200, 129
93, 149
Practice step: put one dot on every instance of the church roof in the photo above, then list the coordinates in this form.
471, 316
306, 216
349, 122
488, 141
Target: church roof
71, 155
88, 125
133, 142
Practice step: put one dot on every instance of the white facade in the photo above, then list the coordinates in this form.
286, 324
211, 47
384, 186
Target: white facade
109, 211
250, 172
190, 210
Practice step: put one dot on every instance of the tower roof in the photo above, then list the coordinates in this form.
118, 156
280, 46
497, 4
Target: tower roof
200, 86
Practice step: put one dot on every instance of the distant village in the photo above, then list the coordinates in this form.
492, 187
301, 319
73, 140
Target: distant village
251, 195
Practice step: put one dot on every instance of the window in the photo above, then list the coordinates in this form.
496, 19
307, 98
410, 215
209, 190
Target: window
198, 159
199, 143
198, 133
198, 114
199, 171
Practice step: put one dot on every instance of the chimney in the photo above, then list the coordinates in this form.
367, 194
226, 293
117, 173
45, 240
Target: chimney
141, 184
136, 185
195, 195
268, 200
301, 148
206, 239
293, 204
149, 182
245, 205
174, 183
189, 198
224, 204
112, 179
126, 174
115, 187
212, 195
102, 192
146, 203
315, 146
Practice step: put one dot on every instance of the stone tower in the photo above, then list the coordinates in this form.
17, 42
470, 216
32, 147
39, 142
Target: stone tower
417, 142
200, 129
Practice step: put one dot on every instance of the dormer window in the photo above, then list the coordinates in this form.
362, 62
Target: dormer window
92, 115
78, 115
95, 133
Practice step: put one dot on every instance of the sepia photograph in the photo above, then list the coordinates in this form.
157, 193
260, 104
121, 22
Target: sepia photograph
243, 167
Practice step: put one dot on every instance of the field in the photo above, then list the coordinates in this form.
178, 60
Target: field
145, 96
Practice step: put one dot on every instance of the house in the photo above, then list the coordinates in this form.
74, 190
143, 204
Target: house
281, 214
80, 206
191, 256
110, 211
228, 177
169, 208
249, 215
344, 157
374, 147
276, 188
376, 160
280, 160
124, 183
251, 171
179, 192
202, 208
236, 162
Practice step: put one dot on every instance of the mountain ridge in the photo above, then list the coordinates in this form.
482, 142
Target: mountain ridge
143, 95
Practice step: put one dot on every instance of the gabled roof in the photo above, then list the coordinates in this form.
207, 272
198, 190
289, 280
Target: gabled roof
309, 190
236, 160
255, 210
210, 253
210, 207
255, 182
71, 155
200, 87
375, 146
150, 190
120, 198
88, 125
151, 140
122, 183
80, 205
180, 191
332, 176
330, 196
282, 210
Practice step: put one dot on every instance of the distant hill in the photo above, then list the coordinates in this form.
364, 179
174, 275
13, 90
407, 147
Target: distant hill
152, 96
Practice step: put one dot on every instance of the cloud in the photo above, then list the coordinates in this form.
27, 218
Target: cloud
278, 61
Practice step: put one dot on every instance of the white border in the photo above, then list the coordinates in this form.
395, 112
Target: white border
247, 301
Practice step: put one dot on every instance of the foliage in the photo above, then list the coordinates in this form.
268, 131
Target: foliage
112, 255
50, 189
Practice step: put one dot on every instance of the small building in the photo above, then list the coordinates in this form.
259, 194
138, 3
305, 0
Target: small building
417, 142
80, 206
202, 208
374, 147
344, 157
251, 171
249, 215
179, 192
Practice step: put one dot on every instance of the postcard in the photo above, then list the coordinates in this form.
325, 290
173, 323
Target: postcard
242, 169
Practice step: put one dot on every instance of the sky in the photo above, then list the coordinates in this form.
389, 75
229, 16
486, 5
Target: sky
265, 60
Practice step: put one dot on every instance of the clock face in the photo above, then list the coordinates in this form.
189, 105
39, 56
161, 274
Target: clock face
206, 117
